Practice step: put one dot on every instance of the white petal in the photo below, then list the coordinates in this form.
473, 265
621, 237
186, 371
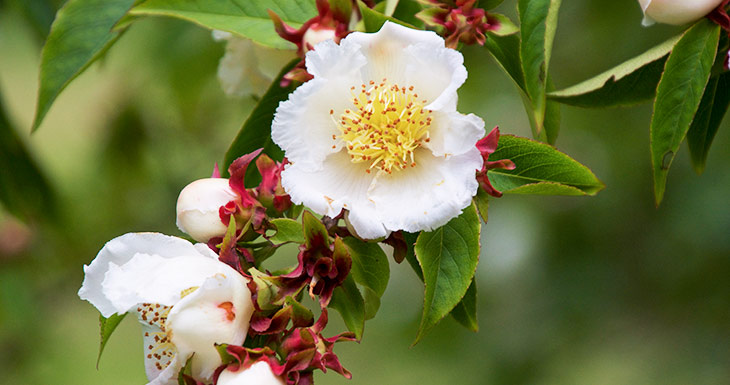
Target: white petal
428, 195
168, 376
150, 278
384, 50
121, 250
436, 74
453, 133
159, 352
238, 69
328, 60
218, 312
677, 12
257, 374
198, 205
337, 184
303, 126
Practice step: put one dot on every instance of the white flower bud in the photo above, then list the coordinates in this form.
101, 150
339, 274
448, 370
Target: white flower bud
259, 373
676, 12
198, 206
315, 35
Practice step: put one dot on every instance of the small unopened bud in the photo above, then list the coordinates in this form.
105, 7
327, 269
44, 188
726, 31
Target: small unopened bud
198, 208
676, 12
317, 34
259, 373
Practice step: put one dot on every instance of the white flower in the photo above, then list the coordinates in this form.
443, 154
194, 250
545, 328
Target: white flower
257, 374
198, 208
247, 68
376, 132
185, 299
676, 12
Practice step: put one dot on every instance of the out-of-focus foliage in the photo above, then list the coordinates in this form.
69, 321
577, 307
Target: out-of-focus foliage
571, 290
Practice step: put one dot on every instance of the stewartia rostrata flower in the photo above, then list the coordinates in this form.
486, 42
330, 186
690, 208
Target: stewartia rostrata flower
259, 374
676, 12
185, 299
376, 132
198, 207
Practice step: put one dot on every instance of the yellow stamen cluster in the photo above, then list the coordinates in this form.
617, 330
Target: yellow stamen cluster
386, 126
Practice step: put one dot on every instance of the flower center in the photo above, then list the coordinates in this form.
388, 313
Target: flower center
387, 125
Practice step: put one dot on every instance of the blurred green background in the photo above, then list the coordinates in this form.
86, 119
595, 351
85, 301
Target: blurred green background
602, 290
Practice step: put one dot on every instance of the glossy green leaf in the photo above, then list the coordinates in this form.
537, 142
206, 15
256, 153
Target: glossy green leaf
678, 96
631, 82
348, 301
540, 169
506, 51
538, 21
256, 130
24, 190
713, 107
287, 230
80, 34
370, 266
448, 257
246, 18
489, 4
481, 201
465, 312
410, 239
372, 20
106, 328
406, 12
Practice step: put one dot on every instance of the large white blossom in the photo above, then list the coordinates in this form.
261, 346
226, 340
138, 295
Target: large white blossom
676, 12
185, 299
376, 132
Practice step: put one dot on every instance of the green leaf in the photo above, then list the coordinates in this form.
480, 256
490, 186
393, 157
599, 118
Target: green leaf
506, 26
81, 33
541, 169
406, 12
707, 120
107, 327
448, 257
490, 4
249, 19
287, 230
481, 201
347, 300
256, 130
24, 190
506, 51
678, 96
410, 239
631, 82
370, 268
465, 312
373, 20
538, 20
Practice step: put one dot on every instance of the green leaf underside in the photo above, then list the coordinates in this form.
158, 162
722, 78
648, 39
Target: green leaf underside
370, 266
448, 257
287, 230
465, 311
256, 130
24, 190
538, 20
631, 82
373, 20
678, 96
707, 120
107, 327
541, 169
80, 34
481, 200
246, 18
348, 301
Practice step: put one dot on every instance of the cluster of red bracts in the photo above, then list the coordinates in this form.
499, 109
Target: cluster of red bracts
487, 146
459, 21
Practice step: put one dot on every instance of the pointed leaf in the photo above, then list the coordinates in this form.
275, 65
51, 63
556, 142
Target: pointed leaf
448, 257
348, 301
24, 190
506, 51
370, 266
631, 82
256, 130
540, 169
465, 312
538, 20
678, 96
107, 327
481, 201
287, 230
707, 120
81, 33
246, 18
